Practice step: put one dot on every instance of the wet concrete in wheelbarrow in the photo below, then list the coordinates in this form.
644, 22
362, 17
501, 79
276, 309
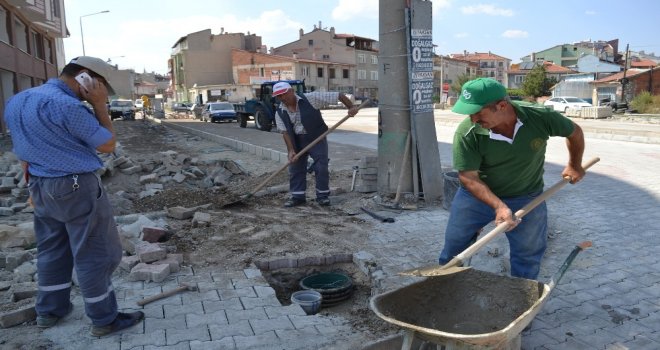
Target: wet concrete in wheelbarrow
468, 302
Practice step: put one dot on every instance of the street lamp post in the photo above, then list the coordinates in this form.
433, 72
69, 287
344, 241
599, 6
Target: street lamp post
82, 37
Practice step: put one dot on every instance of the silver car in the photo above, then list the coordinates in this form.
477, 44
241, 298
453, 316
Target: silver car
562, 103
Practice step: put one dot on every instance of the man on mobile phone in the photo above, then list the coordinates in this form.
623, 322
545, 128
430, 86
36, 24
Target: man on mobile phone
57, 139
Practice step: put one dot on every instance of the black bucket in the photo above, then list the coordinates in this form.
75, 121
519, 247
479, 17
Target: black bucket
451, 184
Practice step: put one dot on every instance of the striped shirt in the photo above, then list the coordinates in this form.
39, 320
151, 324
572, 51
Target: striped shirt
317, 99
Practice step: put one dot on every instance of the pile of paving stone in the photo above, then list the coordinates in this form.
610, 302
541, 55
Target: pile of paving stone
146, 257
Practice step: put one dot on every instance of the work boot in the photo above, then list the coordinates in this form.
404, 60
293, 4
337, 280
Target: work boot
47, 321
122, 321
324, 202
294, 202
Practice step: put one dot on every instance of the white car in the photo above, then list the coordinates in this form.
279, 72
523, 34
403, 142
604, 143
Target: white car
562, 103
139, 104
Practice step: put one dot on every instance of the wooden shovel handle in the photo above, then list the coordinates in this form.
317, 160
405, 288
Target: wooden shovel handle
304, 150
471, 250
161, 295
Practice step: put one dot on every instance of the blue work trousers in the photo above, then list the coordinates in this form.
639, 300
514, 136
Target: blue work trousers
527, 241
75, 228
298, 170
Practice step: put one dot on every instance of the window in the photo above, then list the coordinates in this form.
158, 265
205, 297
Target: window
6, 84
326, 57
24, 82
501, 64
4, 25
374, 75
48, 51
57, 12
362, 58
305, 71
331, 73
37, 45
310, 42
362, 74
319, 72
262, 72
519, 79
345, 74
374, 59
21, 35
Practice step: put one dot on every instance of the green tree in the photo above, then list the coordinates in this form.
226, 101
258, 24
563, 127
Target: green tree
458, 84
535, 82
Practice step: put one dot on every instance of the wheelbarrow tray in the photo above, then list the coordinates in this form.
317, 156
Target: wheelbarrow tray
471, 307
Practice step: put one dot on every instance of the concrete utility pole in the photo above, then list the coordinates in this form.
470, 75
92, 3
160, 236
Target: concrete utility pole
394, 101
406, 100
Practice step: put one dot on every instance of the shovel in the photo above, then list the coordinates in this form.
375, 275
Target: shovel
456, 264
297, 156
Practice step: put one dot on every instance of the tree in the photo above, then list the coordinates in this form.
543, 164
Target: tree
535, 82
458, 84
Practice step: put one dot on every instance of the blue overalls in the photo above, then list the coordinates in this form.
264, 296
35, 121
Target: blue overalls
313, 123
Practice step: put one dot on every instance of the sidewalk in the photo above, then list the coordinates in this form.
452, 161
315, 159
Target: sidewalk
610, 298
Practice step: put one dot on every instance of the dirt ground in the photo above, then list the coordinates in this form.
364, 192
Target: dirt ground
259, 229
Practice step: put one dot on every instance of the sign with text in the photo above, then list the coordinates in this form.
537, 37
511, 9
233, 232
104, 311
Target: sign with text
421, 69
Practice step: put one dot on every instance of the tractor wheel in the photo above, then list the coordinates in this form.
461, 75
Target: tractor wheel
261, 120
242, 120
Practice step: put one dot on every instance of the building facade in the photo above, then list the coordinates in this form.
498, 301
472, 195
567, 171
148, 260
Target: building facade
489, 65
446, 72
202, 58
518, 72
360, 53
567, 55
31, 49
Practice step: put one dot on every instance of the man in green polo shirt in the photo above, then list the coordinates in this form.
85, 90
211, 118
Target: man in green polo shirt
499, 152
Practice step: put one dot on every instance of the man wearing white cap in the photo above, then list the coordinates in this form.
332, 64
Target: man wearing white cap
299, 120
57, 138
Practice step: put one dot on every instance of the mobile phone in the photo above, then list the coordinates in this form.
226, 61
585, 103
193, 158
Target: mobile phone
85, 80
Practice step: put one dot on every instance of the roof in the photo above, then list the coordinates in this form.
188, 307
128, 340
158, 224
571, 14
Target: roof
645, 63
618, 76
524, 67
476, 56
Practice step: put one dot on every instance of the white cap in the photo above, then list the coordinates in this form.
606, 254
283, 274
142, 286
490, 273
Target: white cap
98, 66
280, 88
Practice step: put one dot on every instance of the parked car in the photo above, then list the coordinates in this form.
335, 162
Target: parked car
562, 103
139, 104
218, 111
121, 109
182, 107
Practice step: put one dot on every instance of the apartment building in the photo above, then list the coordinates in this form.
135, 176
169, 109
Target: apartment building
253, 68
31, 49
489, 64
518, 72
567, 55
327, 46
202, 58
446, 71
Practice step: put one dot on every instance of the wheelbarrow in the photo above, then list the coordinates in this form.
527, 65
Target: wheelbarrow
470, 309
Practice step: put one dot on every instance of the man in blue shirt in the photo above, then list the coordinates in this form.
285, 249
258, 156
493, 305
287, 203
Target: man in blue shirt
56, 137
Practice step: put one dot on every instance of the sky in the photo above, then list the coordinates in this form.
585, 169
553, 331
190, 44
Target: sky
140, 34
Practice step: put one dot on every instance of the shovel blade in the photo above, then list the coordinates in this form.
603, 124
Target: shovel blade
433, 270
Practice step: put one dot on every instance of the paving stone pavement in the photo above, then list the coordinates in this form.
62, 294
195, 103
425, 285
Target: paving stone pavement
608, 299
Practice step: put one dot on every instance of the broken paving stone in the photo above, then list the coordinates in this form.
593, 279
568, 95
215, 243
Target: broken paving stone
20, 291
153, 234
201, 219
148, 178
15, 317
181, 213
149, 272
132, 170
179, 177
173, 260
153, 186
128, 262
149, 252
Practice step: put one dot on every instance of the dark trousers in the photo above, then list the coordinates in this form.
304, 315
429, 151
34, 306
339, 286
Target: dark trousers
298, 170
75, 228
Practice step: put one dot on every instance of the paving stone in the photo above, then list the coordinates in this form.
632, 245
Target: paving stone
175, 336
240, 328
230, 304
234, 316
273, 324
170, 322
215, 318
156, 337
260, 302
226, 294
226, 343
175, 310
252, 342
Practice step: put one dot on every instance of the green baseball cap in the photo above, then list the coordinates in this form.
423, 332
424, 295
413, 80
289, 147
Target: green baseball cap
477, 93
